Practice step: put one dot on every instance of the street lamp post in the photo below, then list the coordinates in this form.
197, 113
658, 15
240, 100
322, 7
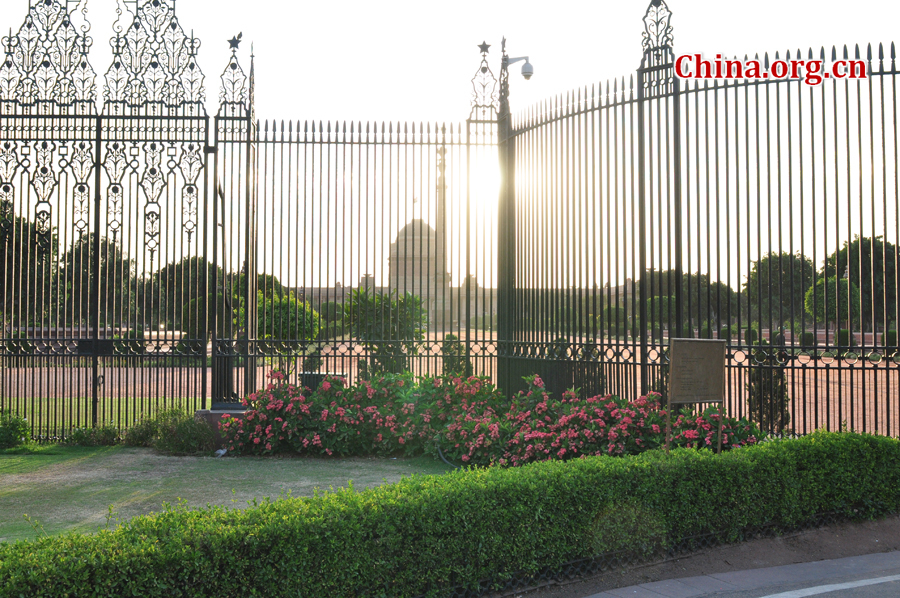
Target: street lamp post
506, 233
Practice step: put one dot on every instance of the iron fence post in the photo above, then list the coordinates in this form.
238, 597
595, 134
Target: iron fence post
641, 328
95, 271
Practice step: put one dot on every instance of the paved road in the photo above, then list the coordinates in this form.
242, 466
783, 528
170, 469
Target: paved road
869, 576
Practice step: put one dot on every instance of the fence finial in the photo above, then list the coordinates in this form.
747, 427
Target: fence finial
657, 30
484, 87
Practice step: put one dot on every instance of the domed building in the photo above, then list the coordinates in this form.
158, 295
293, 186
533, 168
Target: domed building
417, 264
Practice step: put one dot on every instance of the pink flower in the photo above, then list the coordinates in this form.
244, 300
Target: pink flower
326, 386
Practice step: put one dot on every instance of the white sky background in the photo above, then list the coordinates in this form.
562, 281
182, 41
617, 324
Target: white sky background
413, 60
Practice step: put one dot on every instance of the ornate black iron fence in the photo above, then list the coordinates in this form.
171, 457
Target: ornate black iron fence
656, 206
154, 256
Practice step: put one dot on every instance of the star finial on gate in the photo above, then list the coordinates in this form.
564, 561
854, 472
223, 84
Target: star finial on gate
483, 46
235, 41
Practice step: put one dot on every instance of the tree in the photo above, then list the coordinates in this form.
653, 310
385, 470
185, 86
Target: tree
118, 284
660, 310
331, 311
776, 287
28, 262
388, 326
873, 269
833, 300
192, 317
702, 299
267, 284
178, 283
286, 318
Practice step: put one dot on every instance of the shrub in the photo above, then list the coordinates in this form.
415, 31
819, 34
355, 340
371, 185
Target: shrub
454, 357
889, 339
725, 332
312, 362
14, 431
130, 343
466, 419
173, 431
767, 390
143, 433
706, 331
179, 433
845, 339
388, 327
102, 435
808, 339
428, 535
751, 335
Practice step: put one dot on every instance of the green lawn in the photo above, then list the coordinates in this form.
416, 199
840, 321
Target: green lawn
64, 488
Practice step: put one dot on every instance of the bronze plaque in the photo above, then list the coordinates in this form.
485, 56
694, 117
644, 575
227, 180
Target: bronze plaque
696, 370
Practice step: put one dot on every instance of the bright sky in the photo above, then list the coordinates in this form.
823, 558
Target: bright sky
412, 60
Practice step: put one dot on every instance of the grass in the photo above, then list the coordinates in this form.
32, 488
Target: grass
62, 488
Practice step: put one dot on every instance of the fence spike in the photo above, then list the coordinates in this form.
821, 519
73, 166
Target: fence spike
880, 51
776, 55
869, 51
833, 53
893, 53
856, 50
787, 55
766, 60
822, 53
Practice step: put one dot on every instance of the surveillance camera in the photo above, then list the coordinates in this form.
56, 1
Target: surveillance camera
527, 70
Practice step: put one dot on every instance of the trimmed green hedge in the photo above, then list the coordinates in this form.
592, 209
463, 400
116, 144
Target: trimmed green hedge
424, 535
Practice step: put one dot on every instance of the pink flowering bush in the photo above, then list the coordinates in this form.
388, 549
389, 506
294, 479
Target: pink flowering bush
465, 419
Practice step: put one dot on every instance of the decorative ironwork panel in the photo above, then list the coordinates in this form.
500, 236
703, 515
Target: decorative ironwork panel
154, 64
46, 62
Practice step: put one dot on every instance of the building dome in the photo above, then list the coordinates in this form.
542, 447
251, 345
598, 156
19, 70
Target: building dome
416, 238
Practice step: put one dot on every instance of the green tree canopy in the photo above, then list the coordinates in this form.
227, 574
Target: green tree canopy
284, 317
267, 284
833, 300
776, 287
178, 283
27, 267
119, 286
660, 309
873, 269
702, 299
331, 311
